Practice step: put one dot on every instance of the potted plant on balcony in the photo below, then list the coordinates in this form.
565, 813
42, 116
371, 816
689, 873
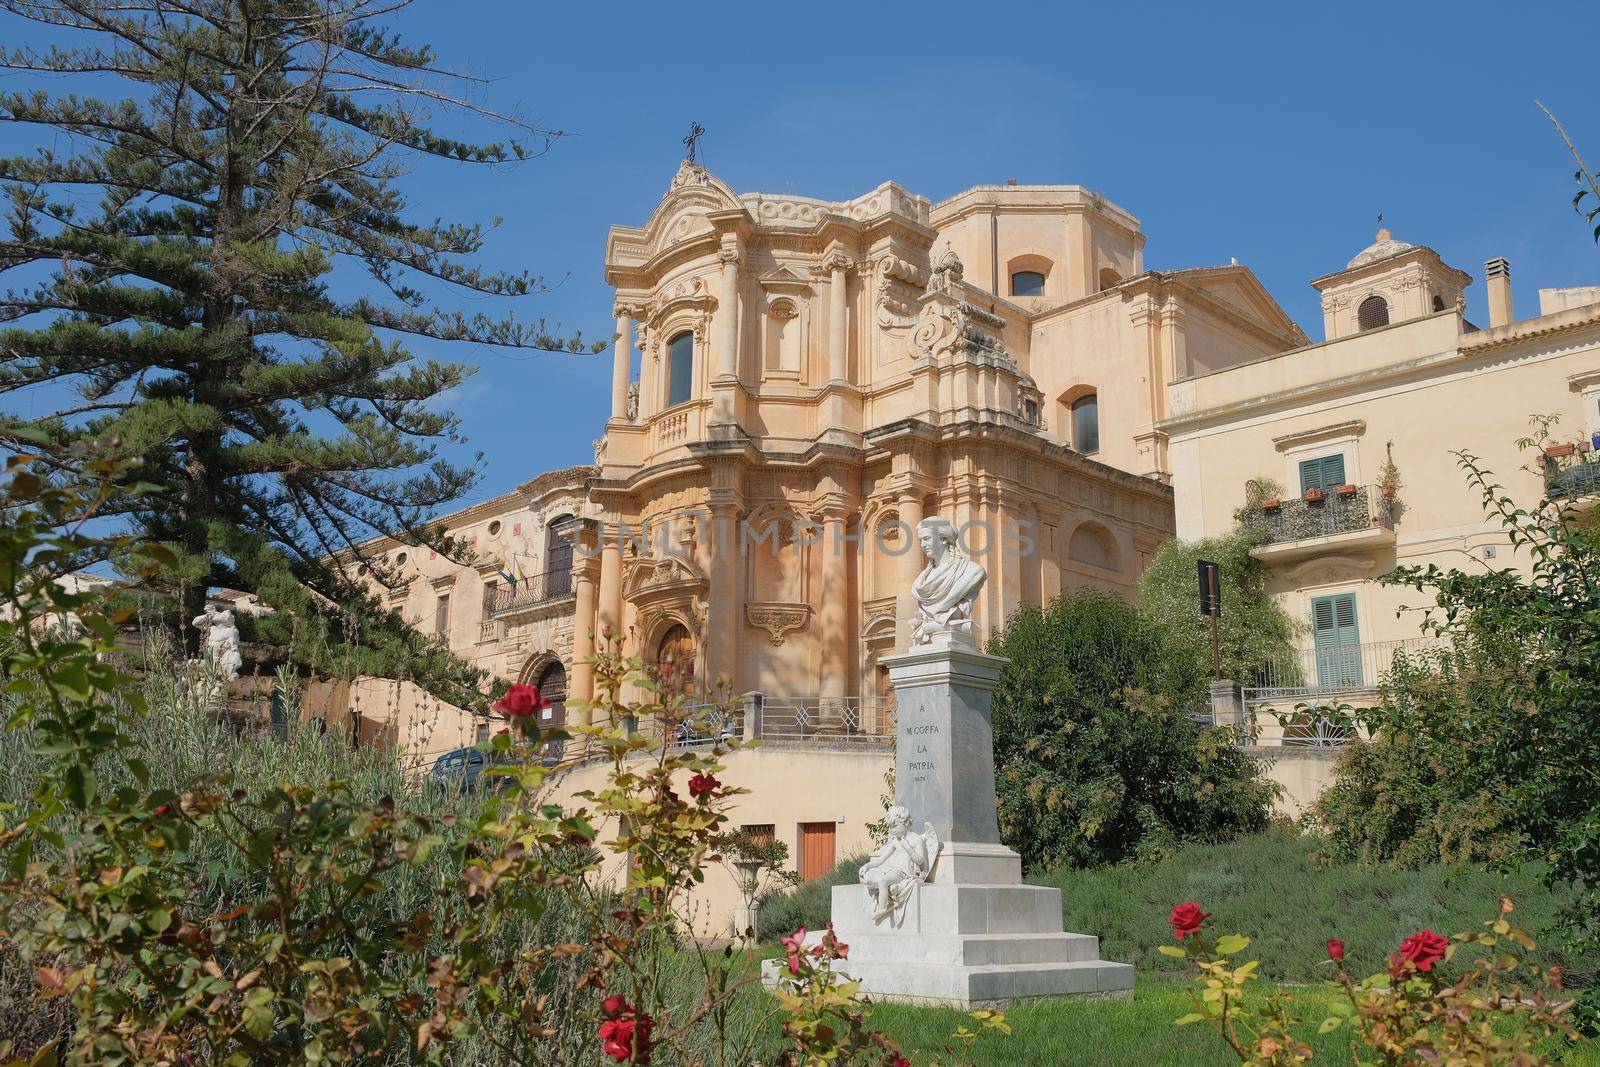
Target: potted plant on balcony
1561, 451
1314, 496
1260, 494
1347, 489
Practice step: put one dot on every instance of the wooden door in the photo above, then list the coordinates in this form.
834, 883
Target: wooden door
816, 849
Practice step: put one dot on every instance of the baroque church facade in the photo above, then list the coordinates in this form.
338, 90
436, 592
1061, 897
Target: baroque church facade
796, 384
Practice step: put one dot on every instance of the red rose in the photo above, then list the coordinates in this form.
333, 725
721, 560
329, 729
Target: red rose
1424, 949
165, 809
702, 784
1335, 949
1187, 919
521, 701
625, 1037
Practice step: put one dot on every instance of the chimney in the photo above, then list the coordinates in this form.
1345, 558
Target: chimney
1497, 276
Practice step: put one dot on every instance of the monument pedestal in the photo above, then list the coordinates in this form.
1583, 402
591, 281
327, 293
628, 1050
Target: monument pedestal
973, 934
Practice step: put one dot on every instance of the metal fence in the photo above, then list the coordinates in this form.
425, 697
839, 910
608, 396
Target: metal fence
775, 717
1298, 519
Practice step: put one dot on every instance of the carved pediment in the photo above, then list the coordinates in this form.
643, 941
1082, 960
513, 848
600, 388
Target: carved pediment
645, 579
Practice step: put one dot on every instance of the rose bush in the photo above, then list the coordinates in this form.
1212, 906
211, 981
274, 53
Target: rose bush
1502, 1010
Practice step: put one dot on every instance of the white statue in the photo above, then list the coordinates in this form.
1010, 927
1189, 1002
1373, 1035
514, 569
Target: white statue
947, 586
220, 650
903, 863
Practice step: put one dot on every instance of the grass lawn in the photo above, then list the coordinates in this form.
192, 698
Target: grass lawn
1268, 887
1110, 1033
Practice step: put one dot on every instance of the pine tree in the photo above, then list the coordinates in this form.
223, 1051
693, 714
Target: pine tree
222, 276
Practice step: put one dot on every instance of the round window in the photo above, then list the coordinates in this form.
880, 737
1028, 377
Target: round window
494, 528
400, 560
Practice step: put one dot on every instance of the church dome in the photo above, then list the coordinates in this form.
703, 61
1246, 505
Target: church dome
1382, 248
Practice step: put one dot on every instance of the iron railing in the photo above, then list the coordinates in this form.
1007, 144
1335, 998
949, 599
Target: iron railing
531, 592
1578, 480
765, 716
1330, 669
1337, 512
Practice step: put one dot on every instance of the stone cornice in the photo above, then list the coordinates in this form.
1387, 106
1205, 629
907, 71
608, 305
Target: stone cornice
1351, 428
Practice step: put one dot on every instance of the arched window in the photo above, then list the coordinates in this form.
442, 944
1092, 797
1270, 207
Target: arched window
1109, 279
1438, 302
1086, 424
1373, 312
676, 650
680, 368
1027, 283
558, 557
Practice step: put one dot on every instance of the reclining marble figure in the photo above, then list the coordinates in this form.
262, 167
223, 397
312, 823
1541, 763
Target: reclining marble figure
947, 586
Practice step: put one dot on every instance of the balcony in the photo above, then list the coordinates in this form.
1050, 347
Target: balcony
1575, 482
1357, 519
530, 594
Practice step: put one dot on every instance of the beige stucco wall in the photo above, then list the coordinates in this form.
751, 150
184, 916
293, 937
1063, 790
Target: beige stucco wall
789, 785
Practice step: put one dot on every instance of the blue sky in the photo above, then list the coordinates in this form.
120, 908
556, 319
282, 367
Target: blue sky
1261, 132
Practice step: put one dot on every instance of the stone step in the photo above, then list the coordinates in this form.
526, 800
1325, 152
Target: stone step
946, 910
976, 950
978, 986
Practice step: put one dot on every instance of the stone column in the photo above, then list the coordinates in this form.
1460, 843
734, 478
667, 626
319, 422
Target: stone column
609, 610
838, 315
905, 607
833, 618
727, 317
621, 363
725, 611
584, 629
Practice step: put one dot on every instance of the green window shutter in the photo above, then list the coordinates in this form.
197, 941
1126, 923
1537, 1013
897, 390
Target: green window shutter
1338, 641
1324, 472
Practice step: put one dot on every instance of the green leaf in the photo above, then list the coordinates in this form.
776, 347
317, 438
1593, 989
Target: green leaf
1192, 1017
1330, 1024
1228, 944
1172, 950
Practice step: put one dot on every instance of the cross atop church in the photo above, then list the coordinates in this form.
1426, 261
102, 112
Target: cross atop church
692, 142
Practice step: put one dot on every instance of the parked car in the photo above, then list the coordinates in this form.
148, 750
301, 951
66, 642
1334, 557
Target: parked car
458, 769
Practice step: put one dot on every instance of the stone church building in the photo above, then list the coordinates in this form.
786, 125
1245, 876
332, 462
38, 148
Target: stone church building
796, 384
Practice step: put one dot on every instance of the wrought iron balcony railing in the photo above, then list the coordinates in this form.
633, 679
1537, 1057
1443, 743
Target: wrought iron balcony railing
531, 592
1299, 519
1581, 479
1331, 670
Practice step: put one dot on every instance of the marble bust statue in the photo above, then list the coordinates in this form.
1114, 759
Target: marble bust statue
947, 586
904, 862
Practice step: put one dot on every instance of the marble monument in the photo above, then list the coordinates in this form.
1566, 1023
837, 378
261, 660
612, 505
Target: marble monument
944, 916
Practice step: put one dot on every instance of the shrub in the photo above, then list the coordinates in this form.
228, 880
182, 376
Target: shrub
1276, 886
809, 904
1253, 630
1419, 1010
1498, 736
1096, 760
275, 922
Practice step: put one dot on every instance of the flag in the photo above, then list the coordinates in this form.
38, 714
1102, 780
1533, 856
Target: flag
512, 582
